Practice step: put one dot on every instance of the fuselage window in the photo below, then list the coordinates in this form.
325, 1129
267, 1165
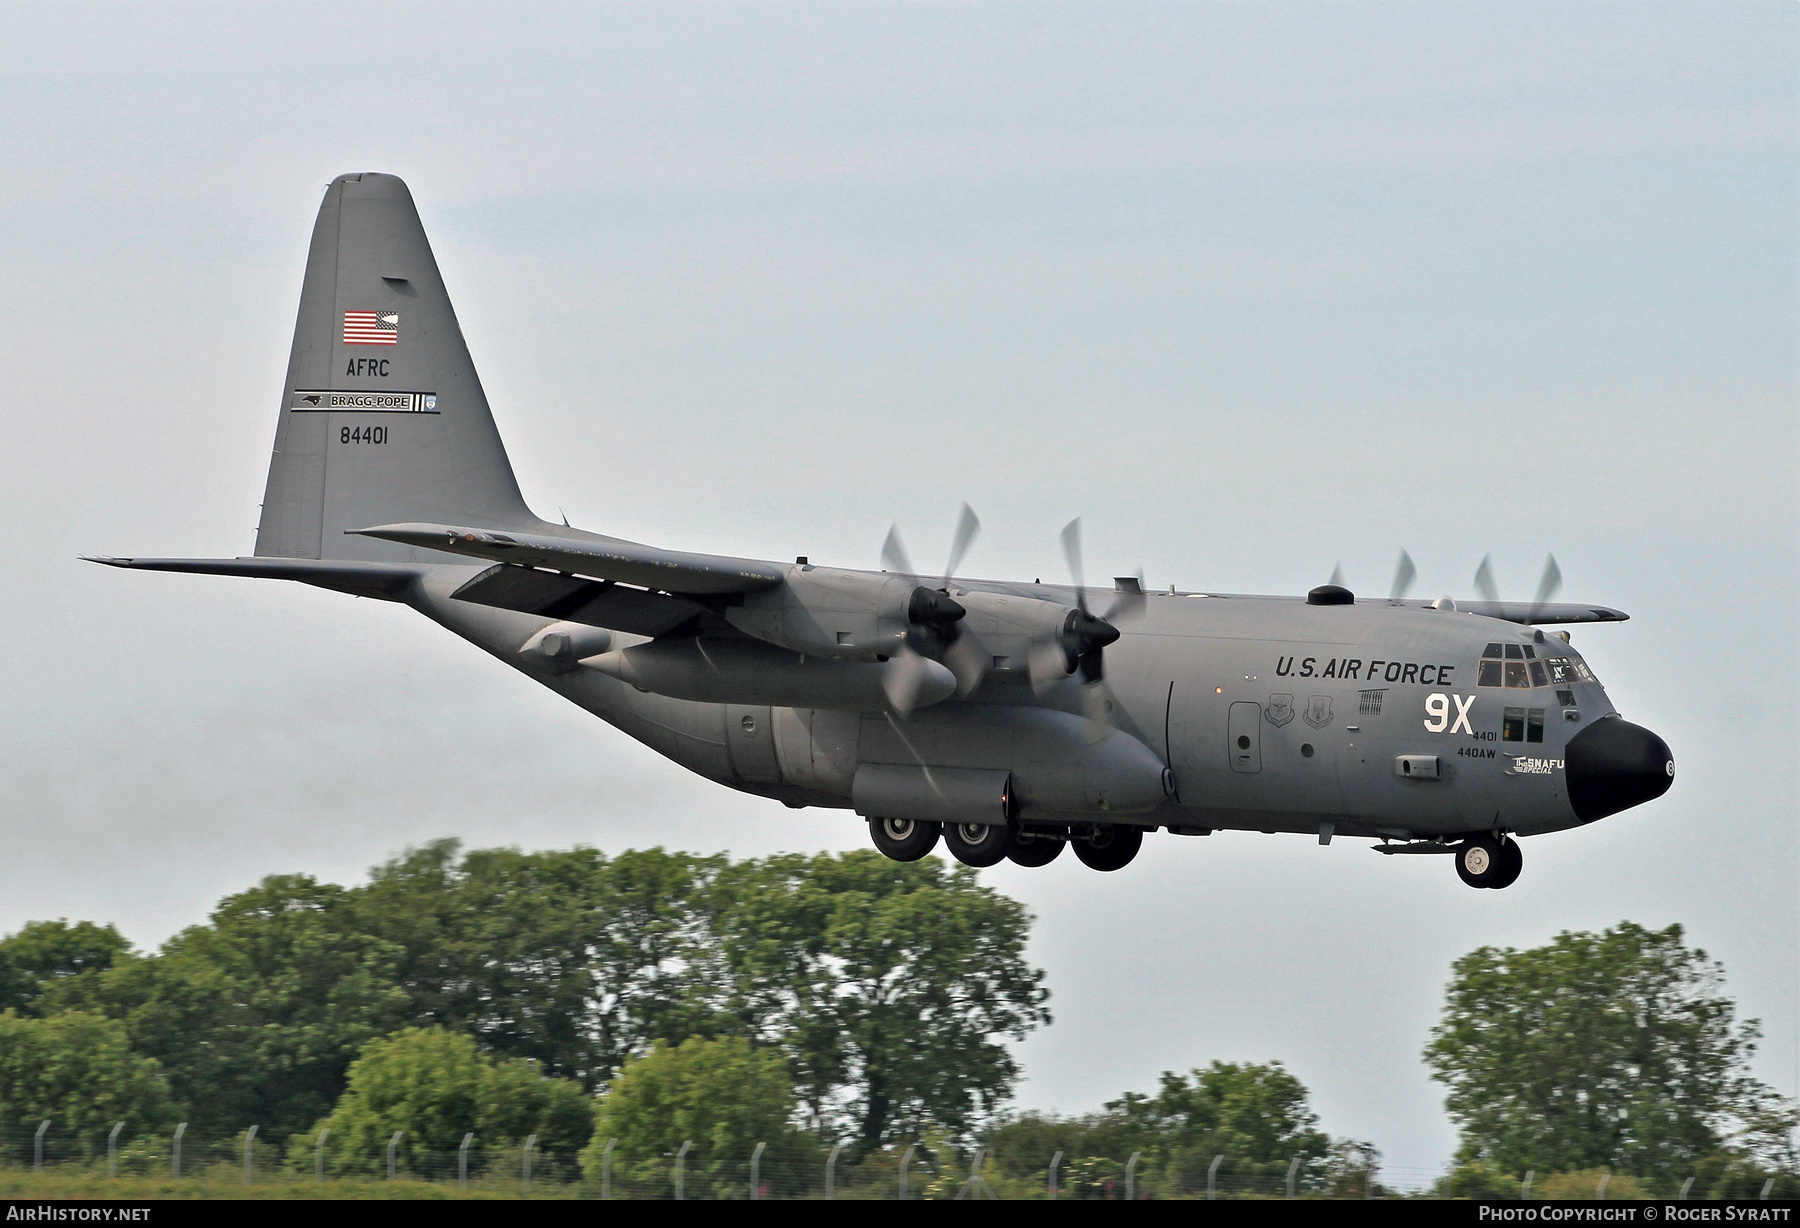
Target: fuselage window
1538, 677
1516, 675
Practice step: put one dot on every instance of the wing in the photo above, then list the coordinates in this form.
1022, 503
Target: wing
385, 581
671, 571
1550, 612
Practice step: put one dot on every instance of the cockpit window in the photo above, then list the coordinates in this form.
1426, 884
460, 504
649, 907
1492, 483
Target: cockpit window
1518, 667
1564, 670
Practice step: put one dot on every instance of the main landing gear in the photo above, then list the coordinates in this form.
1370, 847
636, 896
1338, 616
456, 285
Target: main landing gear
1100, 846
1489, 861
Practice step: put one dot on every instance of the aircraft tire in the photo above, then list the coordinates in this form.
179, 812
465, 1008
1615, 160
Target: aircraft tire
1111, 847
977, 844
1512, 860
1033, 849
1480, 861
903, 839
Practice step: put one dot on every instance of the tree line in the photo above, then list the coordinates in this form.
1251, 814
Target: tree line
619, 1007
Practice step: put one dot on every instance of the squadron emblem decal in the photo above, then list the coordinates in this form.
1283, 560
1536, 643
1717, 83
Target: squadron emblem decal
1280, 710
1318, 711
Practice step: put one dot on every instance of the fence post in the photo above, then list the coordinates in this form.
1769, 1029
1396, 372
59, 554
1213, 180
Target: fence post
1767, 1186
179, 1131
249, 1153
392, 1144
1131, 1177
1212, 1171
831, 1170
529, 1144
1054, 1161
906, 1168
756, 1173
606, 1168
681, 1169
319, 1157
112, 1151
1292, 1170
1605, 1176
462, 1161
37, 1147
1525, 1190
1685, 1187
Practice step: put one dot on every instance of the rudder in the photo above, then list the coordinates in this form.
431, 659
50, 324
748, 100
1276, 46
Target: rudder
383, 419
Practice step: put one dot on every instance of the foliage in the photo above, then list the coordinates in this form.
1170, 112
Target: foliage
889, 984
1585, 1184
1609, 1050
434, 1086
256, 1016
1256, 1115
76, 1069
721, 1096
44, 952
571, 958
1476, 1180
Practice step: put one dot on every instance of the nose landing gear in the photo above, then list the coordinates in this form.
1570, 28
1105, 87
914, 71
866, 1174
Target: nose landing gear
1489, 861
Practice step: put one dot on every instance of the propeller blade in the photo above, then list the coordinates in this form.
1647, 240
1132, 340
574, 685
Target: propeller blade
911, 681
1071, 544
1404, 575
969, 660
968, 526
1048, 663
1548, 583
1337, 576
1127, 602
1096, 705
893, 553
1484, 580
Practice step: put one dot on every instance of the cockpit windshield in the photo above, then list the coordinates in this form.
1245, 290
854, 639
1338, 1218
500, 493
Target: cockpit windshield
1519, 667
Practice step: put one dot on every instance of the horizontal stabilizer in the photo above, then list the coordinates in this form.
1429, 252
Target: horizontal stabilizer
595, 603
1550, 612
672, 571
386, 581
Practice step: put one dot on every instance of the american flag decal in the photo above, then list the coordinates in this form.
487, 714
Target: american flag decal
371, 327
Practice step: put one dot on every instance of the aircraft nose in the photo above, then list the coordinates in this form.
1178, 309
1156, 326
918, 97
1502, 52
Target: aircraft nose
1613, 765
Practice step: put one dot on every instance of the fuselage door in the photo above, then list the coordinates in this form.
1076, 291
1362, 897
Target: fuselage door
1244, 737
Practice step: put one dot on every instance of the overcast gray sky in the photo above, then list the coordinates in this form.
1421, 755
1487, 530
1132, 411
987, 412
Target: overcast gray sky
1254, 289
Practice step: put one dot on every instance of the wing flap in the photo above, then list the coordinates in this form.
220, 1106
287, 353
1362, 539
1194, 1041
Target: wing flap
674, 571
595, 603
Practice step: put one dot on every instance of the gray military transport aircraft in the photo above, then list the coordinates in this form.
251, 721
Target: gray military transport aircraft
1009, 719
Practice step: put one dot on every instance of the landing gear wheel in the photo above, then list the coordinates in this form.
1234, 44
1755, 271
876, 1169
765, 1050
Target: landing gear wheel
1111, 847
1511, 862
1480, 861
1034, 848
903, 839
977, 844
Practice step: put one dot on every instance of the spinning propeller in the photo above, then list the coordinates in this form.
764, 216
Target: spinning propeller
1548, 583
934, 621
1080, 643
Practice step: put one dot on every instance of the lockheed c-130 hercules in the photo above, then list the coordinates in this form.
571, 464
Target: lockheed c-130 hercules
1009, 719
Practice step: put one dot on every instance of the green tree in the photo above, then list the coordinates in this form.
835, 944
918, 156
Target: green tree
1256, 1115
1611, 1050
256, 1016
570, 958
433, 1086
723, 1096
77, 1069
888, 984
44, 952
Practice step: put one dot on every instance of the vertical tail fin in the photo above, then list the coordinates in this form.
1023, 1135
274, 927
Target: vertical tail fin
383, 419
